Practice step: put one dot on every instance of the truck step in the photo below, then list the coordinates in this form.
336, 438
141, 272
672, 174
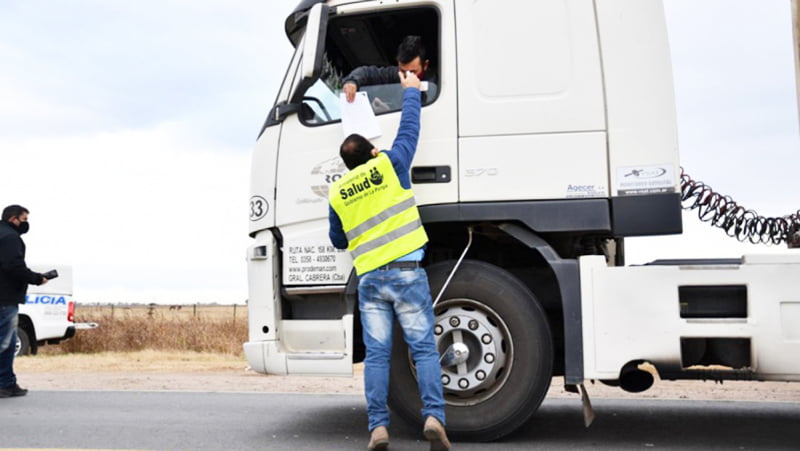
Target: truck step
316, 356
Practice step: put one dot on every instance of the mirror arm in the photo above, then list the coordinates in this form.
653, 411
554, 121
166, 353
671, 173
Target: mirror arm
283, 109
278, 113
300, 90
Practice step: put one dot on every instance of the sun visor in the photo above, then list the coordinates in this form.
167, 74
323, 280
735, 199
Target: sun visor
295, 24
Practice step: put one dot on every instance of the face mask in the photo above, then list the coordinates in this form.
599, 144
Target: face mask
22, 228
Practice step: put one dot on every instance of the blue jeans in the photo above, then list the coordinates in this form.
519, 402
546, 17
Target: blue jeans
8, 344
384, 295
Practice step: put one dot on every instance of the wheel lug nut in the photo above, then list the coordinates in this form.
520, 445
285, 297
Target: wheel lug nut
463, 383
454, 321
486, 339
445, 379
438, 330
480, 375
472, 324
488, 358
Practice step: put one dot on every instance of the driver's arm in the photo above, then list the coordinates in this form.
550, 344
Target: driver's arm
368, 76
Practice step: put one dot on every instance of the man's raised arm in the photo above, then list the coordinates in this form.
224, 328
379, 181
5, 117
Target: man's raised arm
405, 144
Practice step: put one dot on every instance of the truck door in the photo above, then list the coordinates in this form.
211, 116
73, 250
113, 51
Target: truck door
362, 34
300, 321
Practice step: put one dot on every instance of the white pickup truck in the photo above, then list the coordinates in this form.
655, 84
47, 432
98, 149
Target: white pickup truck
47, 316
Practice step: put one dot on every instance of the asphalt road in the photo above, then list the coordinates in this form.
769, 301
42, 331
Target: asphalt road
246, 421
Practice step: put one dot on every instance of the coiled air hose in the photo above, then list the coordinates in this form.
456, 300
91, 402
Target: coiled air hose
737, 221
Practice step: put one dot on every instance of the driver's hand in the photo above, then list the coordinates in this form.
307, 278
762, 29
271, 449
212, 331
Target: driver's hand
410, 80
350, 89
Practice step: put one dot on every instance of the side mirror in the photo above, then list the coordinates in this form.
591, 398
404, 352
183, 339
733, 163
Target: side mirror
314, 42
306, 112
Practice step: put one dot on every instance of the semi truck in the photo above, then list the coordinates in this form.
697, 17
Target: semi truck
549, 137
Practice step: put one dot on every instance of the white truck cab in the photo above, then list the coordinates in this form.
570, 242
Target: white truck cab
548, 138
48, 314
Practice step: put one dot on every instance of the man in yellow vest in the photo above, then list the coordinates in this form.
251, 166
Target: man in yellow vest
374, 216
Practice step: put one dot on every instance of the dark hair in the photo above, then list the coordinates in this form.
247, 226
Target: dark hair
13, 210
355, 150
410, 48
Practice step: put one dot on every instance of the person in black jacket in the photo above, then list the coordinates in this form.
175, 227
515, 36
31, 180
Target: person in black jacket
411, 56
14, 280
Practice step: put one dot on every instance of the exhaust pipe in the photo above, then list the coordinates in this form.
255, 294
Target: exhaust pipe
634, 380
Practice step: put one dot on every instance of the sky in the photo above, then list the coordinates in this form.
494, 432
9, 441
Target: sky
735, 93
126, 128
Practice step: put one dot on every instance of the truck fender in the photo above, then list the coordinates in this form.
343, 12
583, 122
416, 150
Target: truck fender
568, 279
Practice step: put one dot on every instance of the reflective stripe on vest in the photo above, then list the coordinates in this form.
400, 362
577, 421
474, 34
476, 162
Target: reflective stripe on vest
379, 217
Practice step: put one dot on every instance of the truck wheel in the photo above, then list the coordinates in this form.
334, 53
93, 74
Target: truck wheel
510, 362
23, 342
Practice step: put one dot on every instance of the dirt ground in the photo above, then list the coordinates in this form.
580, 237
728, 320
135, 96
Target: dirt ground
164, 371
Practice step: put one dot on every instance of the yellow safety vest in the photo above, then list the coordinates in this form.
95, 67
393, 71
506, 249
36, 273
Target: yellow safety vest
379, 216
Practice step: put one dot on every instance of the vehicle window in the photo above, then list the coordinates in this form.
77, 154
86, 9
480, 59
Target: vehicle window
320, 104
369, 42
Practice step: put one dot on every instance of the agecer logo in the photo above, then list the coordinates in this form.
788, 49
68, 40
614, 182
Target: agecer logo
650, 173
580, 188
375, 179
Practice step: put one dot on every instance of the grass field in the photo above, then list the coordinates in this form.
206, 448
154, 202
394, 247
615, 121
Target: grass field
196, 328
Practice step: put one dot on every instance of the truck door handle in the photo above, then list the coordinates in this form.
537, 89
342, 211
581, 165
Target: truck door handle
430, 174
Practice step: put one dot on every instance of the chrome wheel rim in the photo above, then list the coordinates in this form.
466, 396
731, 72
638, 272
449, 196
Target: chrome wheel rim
491, 350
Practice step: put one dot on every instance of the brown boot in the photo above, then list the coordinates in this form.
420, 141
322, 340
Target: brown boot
378, 439
434, 433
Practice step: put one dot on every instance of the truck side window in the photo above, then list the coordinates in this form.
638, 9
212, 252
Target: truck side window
371, 41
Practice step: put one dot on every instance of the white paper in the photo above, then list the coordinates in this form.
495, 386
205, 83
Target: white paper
358, 117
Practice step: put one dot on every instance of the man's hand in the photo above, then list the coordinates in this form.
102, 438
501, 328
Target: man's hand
410, 80
350, 89
44, 280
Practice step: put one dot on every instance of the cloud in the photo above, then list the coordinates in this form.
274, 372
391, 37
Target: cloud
137, 64
733, 66
152, 212
126, 128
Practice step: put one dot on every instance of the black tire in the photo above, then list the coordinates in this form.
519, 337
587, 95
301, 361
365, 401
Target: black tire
23, 342
486, 300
